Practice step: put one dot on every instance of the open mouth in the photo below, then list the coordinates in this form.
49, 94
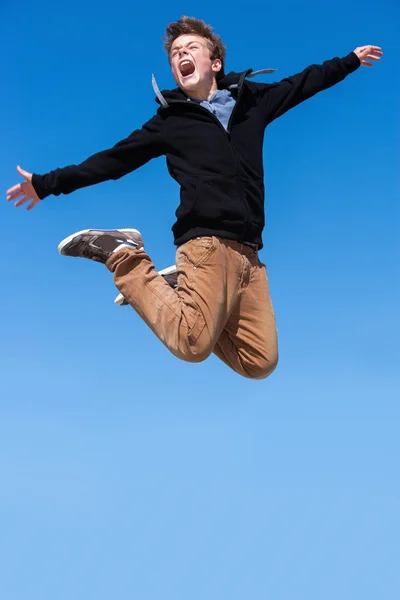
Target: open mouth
186, 68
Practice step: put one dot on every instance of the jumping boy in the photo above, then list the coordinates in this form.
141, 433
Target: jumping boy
211, 130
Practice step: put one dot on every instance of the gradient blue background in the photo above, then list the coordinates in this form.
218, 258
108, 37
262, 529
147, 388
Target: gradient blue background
125, 473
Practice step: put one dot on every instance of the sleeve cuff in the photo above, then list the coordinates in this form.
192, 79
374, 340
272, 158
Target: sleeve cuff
39, 187
352, 62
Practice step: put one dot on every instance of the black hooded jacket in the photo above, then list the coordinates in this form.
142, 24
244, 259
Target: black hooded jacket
220, 172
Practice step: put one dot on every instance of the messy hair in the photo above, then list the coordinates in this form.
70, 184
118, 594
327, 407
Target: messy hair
191, 25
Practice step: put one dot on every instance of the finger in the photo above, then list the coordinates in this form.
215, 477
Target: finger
373, 57
23, 201
24, 173
32, 205
15, 195
13, 189
366, 64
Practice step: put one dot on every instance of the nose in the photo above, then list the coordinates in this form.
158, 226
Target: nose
182, 52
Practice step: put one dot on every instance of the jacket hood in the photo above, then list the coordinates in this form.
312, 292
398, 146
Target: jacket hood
230, 81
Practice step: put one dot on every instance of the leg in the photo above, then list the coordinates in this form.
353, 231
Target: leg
189, 319
248, 343
219, 303
169, 274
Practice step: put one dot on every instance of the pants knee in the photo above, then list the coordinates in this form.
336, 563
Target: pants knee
195, 357
195, 354
261, 369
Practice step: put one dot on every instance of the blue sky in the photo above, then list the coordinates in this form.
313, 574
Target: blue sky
125, 473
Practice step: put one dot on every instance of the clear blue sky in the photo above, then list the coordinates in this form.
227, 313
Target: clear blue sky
125, 473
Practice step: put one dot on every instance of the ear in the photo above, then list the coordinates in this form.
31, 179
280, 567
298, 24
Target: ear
217, 65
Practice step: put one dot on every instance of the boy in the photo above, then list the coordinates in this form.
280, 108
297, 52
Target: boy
211, 130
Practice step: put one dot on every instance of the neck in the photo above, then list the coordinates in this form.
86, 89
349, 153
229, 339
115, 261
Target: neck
205, 92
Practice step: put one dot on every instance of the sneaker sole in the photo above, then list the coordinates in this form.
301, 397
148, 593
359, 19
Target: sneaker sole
119, 300
68, 239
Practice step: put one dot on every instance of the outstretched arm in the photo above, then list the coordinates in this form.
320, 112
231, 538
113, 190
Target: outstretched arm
280, 97
123, 158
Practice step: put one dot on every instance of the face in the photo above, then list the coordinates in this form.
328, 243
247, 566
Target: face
192, 67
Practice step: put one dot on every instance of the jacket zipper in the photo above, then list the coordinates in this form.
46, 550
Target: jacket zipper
226, 131
218, 122
241, 83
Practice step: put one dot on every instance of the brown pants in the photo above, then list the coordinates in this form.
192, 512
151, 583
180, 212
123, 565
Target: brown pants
222, 303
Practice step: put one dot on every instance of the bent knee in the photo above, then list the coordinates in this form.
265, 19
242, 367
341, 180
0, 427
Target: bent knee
261, 368
196, 356
195, 353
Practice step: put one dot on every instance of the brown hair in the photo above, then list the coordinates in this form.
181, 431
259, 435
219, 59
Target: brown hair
191, 25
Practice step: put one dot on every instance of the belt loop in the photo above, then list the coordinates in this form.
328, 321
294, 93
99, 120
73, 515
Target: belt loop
250, 245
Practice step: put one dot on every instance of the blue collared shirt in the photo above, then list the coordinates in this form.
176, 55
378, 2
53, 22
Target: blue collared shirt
221, 105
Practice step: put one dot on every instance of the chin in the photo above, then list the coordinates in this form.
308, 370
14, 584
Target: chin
190, 84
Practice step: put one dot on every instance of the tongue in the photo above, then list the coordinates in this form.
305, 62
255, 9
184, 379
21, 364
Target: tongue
187, 69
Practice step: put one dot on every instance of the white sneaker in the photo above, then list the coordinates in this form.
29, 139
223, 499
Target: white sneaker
169, 275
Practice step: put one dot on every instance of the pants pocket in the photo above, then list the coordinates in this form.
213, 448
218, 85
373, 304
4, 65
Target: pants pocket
196, 251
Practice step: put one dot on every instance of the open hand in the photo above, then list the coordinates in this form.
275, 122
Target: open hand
368, 53
23, 192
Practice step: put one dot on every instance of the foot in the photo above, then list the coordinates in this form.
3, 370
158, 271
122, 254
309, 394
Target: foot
169, 275
99, 244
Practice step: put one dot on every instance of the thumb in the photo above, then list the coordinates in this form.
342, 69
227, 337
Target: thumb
25, 174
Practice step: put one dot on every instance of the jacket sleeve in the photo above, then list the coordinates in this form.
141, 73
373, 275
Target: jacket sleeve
278, 98
123, 158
